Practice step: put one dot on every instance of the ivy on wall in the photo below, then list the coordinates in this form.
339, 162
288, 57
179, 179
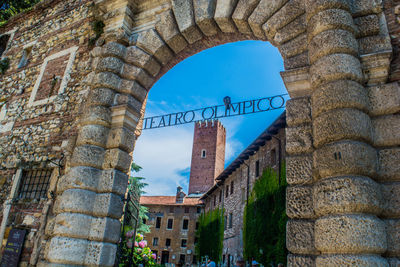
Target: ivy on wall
210, 235
264, 230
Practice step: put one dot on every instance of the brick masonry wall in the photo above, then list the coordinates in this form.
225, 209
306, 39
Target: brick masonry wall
234, 204
31, 135
210, 136
176, 234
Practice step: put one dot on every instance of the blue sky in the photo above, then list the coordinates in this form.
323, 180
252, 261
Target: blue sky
242, 70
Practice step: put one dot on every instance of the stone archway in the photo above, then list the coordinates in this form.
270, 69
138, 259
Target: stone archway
336, 55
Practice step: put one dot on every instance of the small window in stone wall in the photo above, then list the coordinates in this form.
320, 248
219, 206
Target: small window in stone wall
155, 241
220, 196
273, 157
183, 245
257, 168
232, 187
227, 191
53, 77
168, 242
170, 223
185, 224
243, 195
215, 200
203, 153
230, 220
25, 57
158, 222
3, 43
34, 184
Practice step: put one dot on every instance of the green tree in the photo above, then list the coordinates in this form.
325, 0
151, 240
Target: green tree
210, 234
9, 8
265, 219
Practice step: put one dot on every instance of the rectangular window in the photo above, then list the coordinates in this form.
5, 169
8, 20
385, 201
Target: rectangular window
227, 191
232, 187
220, 196
215, 200
35, 183
170, 223
171, 209
185, 224
203, 153
273, 157
158, 222
3, 43
230, 220
187, 209
198, 209
225, 222
155, 241
167, 242
183, 243
257, 168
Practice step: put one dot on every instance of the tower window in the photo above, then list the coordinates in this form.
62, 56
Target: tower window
257, 168
232, 186
203, 153
215, 200
273, 157
230, 220
227, 191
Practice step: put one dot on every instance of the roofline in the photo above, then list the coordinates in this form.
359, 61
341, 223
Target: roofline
265, 136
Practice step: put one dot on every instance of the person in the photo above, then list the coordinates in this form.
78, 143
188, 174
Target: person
211, 263
254, 263
240, 262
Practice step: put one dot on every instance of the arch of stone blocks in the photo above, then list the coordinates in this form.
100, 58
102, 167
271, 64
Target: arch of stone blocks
341, 137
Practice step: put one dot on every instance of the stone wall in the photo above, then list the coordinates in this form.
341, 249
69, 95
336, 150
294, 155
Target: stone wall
41, 100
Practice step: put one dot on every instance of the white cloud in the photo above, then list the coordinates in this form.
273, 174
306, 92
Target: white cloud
165, 154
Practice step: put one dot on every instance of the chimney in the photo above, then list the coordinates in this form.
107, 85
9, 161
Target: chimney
180, 195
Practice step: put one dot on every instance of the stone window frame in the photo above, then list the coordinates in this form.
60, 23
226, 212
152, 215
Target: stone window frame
172, 224
25, 55
65, 79
11, 33
183, 223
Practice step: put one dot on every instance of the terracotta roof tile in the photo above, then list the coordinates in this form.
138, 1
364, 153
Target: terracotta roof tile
168, 200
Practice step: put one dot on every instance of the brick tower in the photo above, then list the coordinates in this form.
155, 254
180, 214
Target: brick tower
208, 155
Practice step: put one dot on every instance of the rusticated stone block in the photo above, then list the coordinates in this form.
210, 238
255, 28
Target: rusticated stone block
299, 139
75, 201
133, 88
386, 130
340, 124
347, 195
374, 44
132, 72
108, 205
169, 31
298, 111
106, 79
88, 155
365, 7
290, 31
113, 49
296, 62
287, 11
294, 47
300, 237
183, 11
88, 178
350, 234
335, 67
393, 262
99, 115
299, 202
393, 237
111, 64
391, 198
385, 99
223, 15
315, 6
152, 43
139, 58
389, 164
339, 94
101, 96
351, 260
345, 158
367, 25
242, 12
299, 169
328, 20
300, 261
332, 41
117, 159
204, 11
92, 134
105, 230
63, 250
128, 100
121, 138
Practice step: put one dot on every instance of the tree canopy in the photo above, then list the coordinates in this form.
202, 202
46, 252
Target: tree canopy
9, 8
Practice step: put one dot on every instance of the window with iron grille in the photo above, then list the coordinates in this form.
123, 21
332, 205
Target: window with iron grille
34, 184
